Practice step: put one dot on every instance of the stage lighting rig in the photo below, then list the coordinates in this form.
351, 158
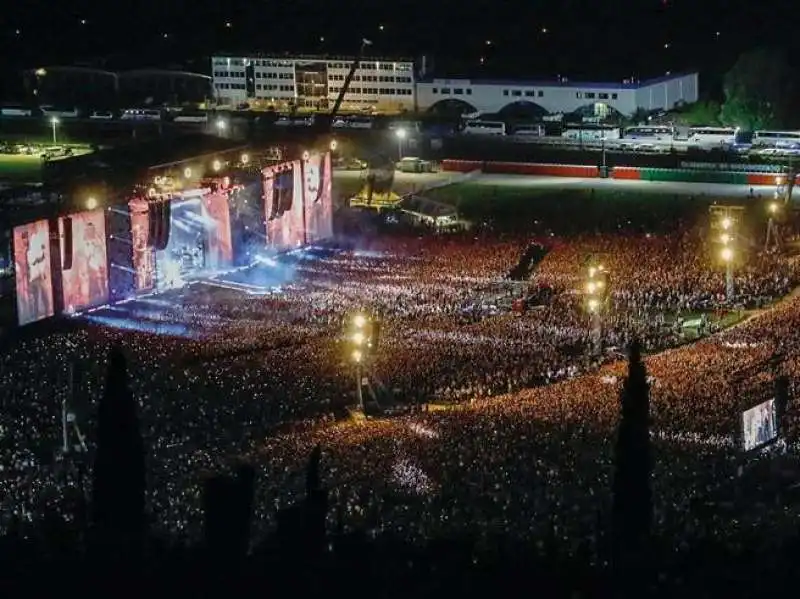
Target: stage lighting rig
361, 340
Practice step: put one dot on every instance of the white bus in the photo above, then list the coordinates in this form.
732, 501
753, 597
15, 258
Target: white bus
353, 122
188, 116
141, 114
51, 111
651, 133
709, 137
484, 128
777, 139
15, 111
589, 133
529, 131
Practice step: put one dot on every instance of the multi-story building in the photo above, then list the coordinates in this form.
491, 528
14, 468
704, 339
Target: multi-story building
312, 83
563, 96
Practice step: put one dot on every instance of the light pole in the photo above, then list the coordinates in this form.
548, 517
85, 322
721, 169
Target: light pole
222, 126
597, 294
401, 135
727, 257
54, 124
361, 343
773, 234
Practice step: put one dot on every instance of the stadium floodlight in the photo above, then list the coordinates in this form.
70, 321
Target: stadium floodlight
592, 271
594, 304
54, 124
357, 356
216, 165
187, 172
727, 223
333, 145
774, 207
591, 287
726, 254
245, 158
359, 320
91, 203
358, 338
401, 133
725, 239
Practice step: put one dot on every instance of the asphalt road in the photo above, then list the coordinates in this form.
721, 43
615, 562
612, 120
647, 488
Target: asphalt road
408, 182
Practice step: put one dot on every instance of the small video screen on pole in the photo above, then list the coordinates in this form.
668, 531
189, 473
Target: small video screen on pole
283, 204
759, 425
33, 274
84, 262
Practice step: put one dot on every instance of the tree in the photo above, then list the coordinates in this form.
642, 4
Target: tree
700, 113
118, 478
632, 495
759, 91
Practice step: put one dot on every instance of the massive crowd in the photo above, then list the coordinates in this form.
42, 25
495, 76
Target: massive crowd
253, 365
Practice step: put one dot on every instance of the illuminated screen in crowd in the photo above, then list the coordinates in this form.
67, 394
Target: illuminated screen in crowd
143, 258
318, 202
84, 279
196, 243
33, 278
283, 204
759, 425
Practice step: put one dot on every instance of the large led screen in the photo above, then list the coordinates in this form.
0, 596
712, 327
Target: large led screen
283, 204
196, 243
143, 259
318, 202
759, 425
33, 278
84, 261
221, 244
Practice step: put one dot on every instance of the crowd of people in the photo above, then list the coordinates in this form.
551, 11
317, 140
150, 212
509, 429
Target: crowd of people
514, 411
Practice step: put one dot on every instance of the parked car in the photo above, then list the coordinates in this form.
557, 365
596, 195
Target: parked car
411, 164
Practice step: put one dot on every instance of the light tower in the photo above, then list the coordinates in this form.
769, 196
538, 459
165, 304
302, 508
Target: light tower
725, 226
596, 293
361, 336
775, 212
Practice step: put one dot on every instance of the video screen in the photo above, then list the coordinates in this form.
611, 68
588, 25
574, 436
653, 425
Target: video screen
318, 200
221, 243
84, 278
759, 425
143, 258
33, 275
283, 204
193, 246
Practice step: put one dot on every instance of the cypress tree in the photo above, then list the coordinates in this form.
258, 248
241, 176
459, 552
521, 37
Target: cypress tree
632, 494
118, 477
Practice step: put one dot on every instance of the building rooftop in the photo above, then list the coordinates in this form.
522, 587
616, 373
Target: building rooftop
316, 57
625, 84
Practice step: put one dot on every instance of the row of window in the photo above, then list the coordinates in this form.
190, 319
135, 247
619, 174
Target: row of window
592, 96
230, 86
259, 62
375, 78
376, 91
260, 75
445, 91
275, 87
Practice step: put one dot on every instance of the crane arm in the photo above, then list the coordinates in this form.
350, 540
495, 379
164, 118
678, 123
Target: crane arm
353, 68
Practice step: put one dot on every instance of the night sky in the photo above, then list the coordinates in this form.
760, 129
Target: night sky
579, 39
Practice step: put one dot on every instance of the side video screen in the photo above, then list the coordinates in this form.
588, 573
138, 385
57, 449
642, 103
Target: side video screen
33, 275
318, 201
283, 204
84, 259
760, 425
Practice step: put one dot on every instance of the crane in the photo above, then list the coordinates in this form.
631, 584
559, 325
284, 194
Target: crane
325, 122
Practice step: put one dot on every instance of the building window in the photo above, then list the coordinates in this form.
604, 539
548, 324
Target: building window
530, 93
505, 92
517, 93
589, 95
613, 96
579, 95
459, 92
603, 96
445, 91
540, 94
469, 92
435, 90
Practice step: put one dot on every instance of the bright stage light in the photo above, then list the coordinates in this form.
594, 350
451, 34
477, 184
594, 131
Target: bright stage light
187, 172
593, 305
592, 271
91, 204
334, 144
357, 356
306, 155
358, 338
591, 287
216, 165
359, 320
726, 223
727, 254
774, 207
245, 158
725, 238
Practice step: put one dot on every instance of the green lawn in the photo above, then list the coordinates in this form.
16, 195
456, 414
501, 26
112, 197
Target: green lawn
17, 167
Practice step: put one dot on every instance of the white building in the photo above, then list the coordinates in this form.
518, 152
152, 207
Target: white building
379, 84
563, 96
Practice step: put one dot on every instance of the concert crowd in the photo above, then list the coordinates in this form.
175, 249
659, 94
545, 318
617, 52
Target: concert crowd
512, 413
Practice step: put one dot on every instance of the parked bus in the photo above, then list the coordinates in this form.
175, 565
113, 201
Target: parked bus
353, 122
777, 139
590, 132
709, 137
484, 128
191, 116
651, 133
529, 131
15, 111
51, 111
141, 114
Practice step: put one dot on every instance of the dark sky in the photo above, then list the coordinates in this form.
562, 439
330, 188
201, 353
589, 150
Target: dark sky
580, 39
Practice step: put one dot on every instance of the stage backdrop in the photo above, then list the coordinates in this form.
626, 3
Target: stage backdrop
86, 282
143, 255
216, 204
318, 201
283, 204
33, 274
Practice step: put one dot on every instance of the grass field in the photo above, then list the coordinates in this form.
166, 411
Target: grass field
17, 167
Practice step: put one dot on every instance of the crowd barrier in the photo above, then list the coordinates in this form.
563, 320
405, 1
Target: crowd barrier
686, 175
